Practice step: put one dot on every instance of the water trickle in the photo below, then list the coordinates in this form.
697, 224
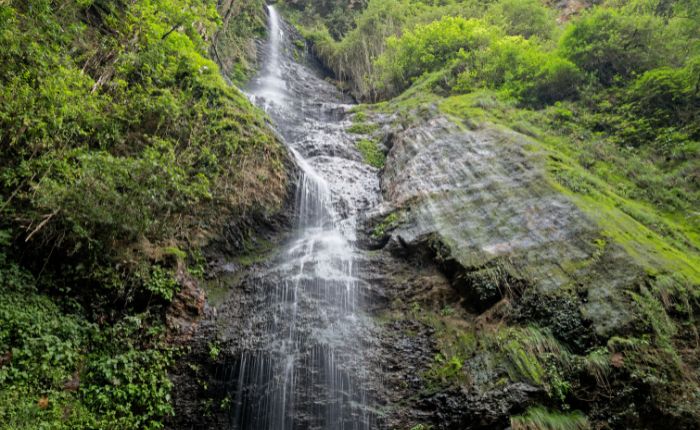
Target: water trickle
301, 345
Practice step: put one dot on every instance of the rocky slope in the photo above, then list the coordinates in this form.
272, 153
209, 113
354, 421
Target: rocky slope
533, 302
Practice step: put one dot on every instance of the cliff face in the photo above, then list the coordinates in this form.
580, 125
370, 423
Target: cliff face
504, 281
484, 196
535, 301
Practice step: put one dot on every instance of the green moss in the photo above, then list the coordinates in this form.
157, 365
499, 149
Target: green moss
362, 128
477, 102
299, 43
360, 116
389, 222
647, 247
255, 252
175, 252
371, 153
658, 241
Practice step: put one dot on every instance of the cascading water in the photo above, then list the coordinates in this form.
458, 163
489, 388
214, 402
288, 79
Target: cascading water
301, 342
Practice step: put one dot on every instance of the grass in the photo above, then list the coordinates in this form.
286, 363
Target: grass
390, 221
637, 226
598, 365
371, 154
362, 128
538, 418
533, 355
523, 354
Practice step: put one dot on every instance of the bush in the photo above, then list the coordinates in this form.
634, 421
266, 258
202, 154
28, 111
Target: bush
527, 18
556, 79
352, 58
480, 56
131, 390
58, 370
98, 196
432, 46
611, 45
524, 71
667, 96
110, 144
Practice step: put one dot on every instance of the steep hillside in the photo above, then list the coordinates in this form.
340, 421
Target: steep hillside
124, 153
546, 159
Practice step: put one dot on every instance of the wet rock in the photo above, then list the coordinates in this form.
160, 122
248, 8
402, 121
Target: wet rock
483, 197
492, 409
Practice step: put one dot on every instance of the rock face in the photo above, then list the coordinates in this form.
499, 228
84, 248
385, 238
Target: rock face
481, 198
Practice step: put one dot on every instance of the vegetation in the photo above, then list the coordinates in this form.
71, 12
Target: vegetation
542, 419
123, 152
233, 46
65, 371
371, 153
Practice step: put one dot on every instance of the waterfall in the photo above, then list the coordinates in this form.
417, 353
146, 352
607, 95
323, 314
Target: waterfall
302, 362
272, 86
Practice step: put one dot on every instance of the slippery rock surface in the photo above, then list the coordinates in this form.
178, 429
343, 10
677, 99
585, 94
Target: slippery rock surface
482, 196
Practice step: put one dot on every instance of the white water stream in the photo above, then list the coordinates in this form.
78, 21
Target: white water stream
303, 365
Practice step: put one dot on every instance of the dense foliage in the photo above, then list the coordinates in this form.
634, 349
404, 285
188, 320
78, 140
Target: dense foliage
123, 150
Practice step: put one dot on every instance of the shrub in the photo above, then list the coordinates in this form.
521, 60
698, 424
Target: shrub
432, 46
131, 389
527, 18
556, 79
667, 96
117, 128
120, 371
525, 71
612, 45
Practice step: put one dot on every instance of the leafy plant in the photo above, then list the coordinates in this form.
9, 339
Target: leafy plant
371, 153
